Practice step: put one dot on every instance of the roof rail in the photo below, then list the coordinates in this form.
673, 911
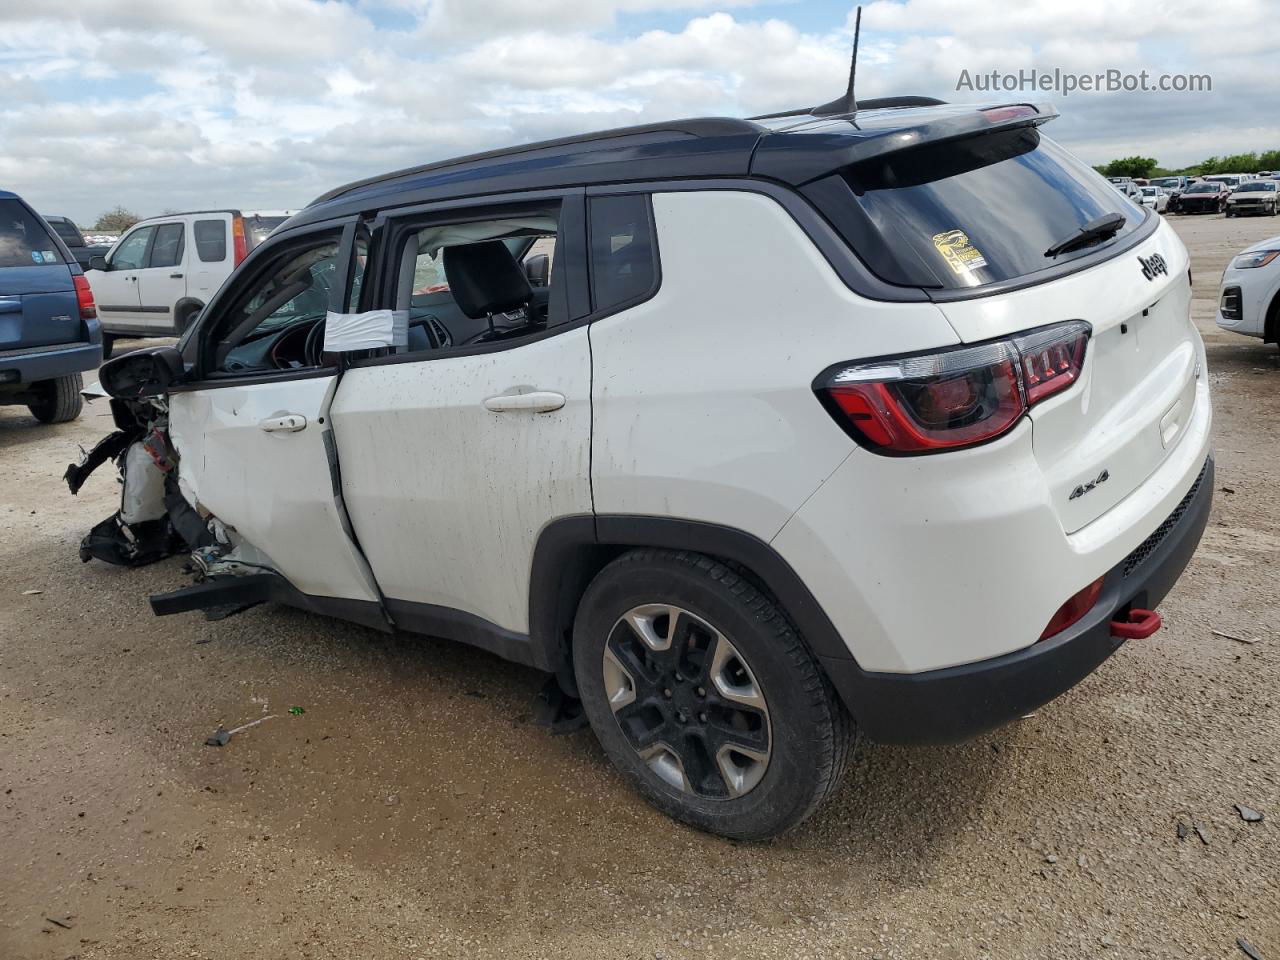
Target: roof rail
880, 104
694, 127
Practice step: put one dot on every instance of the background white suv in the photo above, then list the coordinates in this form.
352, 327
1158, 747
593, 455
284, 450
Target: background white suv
164, 269
754, 434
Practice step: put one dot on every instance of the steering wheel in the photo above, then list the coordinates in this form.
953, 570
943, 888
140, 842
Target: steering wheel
313, 347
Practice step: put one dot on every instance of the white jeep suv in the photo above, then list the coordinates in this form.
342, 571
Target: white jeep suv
755, 434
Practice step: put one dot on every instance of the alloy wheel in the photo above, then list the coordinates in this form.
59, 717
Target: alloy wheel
687, 702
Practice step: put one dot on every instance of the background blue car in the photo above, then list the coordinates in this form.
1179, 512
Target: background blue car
49, 329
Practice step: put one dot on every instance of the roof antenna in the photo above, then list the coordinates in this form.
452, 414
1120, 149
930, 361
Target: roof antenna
848, 104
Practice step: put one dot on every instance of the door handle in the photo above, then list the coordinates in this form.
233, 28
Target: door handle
540, 401
289, 423
175, 276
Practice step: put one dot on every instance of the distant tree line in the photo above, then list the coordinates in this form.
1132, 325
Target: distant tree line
1146, 167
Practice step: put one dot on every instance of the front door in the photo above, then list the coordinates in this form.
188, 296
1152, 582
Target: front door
457, 451
116, 288
253, 432
162, 282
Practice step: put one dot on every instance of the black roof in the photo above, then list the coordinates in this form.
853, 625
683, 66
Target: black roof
795, 147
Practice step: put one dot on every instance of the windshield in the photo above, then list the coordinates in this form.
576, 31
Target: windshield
977, 211
1168, 182
1256, 187
1203, 188
24, 241
1148, 191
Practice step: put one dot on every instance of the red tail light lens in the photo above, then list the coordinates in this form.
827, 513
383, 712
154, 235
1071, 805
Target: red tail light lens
955, 398
84, 297
1013, 112
240, 245
1051, 359
1075, 608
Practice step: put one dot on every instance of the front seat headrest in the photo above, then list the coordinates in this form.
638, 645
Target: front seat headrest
484, 278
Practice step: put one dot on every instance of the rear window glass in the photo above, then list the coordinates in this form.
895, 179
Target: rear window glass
67, 231
257, 229
977, 211
211, 240
24, 241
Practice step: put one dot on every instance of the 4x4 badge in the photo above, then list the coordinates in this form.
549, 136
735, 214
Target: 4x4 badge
1084, 488
1152, 265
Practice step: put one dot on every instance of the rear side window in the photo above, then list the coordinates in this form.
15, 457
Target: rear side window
211, 240
167, 249
68, 231
623, 254
971, 212
24, 240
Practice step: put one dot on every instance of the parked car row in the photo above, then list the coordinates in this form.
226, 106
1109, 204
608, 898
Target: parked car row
64, 299
1231, 194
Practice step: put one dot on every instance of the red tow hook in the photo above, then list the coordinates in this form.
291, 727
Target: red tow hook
1140, 625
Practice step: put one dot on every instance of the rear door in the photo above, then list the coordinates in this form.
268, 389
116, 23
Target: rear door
209, 262
37, 298
457, 451
162, 281
116, 288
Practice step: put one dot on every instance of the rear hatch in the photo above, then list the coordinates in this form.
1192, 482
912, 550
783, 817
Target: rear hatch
979, 222
38, 305
1098, 441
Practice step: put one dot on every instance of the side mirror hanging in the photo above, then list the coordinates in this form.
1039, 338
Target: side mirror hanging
148, 372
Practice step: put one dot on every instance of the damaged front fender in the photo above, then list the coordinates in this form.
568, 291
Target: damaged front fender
141, 531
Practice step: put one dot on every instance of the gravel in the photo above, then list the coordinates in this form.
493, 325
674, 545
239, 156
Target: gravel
403, 816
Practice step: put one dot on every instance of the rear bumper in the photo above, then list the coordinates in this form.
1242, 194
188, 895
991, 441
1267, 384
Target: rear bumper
48, 363
956, 703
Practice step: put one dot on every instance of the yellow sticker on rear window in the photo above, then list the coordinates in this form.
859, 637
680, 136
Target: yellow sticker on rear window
958, 251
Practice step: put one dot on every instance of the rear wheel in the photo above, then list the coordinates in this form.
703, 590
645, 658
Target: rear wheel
108, 343
184, 317
57, 400
705, 697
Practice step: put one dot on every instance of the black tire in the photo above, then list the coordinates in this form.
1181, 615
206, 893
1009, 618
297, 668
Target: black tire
809, 734
59, 400
183, 319
108, 344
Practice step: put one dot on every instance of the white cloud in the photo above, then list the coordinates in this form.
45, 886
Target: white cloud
266, 103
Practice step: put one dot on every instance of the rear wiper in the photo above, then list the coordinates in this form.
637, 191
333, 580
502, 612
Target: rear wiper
1095, 231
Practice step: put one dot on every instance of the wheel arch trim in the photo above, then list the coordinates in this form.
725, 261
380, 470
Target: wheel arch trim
571, 550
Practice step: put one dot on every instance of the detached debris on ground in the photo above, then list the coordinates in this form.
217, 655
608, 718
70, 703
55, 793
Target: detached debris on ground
222, 736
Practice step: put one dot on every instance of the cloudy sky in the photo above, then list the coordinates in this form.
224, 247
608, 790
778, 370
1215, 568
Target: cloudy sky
182, 104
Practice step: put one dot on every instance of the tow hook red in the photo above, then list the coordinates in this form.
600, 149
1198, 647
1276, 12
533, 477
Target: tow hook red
1140, 625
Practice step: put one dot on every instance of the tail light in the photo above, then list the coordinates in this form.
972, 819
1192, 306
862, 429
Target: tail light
240, 245
954, 398
84, 297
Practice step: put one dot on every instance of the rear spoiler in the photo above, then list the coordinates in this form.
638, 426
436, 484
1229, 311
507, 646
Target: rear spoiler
798, 157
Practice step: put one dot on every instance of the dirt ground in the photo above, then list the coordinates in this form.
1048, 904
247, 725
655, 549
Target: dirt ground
415, 810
